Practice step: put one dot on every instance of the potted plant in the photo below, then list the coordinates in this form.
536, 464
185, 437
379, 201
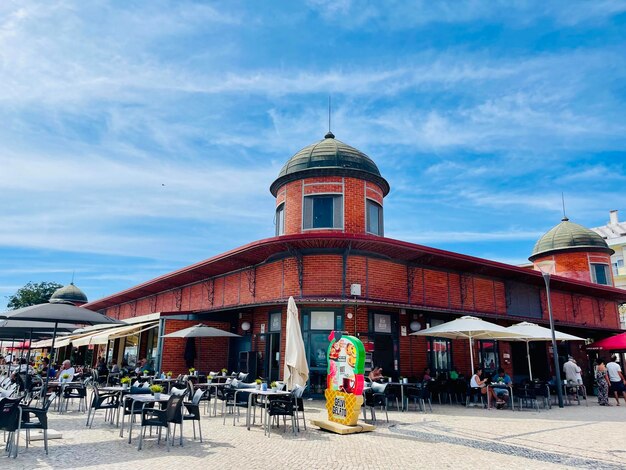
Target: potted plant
156, 391
125, 381
145, 373
224, 372
65, 377
192, 371
258, 383
169, 374
274, 386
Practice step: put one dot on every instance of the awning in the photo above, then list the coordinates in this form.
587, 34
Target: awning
103, 337
614, 343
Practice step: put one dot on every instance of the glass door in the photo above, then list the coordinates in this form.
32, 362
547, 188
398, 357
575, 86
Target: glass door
317, 324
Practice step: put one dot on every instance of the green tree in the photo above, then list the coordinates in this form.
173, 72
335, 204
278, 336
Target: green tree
32, 294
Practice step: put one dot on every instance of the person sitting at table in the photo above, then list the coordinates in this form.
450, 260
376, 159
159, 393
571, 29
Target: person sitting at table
427, 377
115, 369
46, 369
478, 382
66, 368
144, 366
454, 375
376, 374
502, 393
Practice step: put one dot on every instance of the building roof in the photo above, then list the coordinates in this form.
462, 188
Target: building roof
568, 236
329, 157
68, 294
614, 232
261, 251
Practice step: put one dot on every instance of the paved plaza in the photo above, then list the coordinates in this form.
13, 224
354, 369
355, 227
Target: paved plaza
450, 437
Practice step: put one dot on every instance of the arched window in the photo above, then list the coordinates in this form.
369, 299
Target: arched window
374, 218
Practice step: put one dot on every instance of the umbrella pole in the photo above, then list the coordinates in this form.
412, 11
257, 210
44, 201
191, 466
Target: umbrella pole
471, 341
45, 387
530, 370
30, 341
12, 354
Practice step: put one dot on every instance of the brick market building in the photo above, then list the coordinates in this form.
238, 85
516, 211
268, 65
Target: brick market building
329, 252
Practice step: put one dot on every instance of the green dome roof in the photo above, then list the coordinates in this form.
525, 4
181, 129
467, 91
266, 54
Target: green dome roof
569, 236
68, 294
329, 157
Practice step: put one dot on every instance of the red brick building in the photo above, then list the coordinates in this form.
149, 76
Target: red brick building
329, 252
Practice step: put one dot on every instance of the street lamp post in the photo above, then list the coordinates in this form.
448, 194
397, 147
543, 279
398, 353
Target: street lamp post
555, 352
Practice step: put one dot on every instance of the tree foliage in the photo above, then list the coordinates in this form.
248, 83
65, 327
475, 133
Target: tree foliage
32, 293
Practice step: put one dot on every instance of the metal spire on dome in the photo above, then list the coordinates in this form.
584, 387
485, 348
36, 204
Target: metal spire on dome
564, 219
329, 135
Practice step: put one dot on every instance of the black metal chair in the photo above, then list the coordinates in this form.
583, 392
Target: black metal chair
373, 398
420, 394
11, 422
298, 402
42, 420
193, 412
471, 394
235, 400
394, 392
281, 405
102, 401
162, 419
525, 396
73, 392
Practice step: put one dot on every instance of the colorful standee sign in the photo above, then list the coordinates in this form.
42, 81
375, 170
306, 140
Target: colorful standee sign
344, 387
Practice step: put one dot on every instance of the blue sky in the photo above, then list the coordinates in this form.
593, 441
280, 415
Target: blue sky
140, 137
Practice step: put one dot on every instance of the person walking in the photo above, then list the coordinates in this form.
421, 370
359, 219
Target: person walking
603, 383
617, 379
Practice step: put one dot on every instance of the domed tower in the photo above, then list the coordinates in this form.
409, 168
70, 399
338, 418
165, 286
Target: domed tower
574, 251
69, 294
331, 187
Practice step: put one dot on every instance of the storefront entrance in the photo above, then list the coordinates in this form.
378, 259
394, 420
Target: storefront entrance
317, 324
383, 333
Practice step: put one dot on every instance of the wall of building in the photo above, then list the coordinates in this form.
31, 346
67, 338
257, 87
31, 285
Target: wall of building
354, 191
574, 265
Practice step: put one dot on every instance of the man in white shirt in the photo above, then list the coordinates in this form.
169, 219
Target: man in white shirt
66, 368
618, 382
570, 368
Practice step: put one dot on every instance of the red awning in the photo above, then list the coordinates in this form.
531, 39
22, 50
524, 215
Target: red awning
614, 343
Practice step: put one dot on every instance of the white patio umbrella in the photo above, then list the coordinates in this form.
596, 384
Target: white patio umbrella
470, 328
532, 332
200, 331
296, 369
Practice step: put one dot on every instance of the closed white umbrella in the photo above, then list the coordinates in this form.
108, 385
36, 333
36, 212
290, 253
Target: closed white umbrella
528, 332
296, 370
470, 328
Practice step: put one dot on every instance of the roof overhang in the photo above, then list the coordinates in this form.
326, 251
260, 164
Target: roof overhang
260, 251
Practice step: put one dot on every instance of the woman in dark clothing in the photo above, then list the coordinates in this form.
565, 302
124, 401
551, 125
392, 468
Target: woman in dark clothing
602, 380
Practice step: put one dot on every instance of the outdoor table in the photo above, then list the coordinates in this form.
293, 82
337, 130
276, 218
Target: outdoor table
262, 393
402, 385
62, 386
501, 385
214, 385
167, 381
144, 399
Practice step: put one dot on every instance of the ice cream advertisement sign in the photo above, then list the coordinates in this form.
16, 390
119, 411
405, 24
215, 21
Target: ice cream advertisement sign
344, 387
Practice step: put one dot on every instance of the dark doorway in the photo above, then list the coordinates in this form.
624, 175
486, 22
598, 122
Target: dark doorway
238, 345
538, 359
383, 353
272, 355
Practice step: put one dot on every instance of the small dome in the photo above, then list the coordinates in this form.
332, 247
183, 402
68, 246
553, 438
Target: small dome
68, 294
569, 236
329, 157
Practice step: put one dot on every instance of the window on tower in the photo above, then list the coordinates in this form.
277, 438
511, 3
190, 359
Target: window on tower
323, 212
280, 220
374, 218
600, 274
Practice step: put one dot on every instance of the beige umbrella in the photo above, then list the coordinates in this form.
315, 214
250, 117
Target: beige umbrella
296, 371
470, 328
533, 332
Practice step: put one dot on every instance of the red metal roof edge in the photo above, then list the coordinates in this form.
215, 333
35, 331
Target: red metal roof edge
283, 239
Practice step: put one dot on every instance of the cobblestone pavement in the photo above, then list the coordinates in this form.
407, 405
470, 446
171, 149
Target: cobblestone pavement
450, 437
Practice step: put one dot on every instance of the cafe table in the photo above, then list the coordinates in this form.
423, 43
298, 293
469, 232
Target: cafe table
214, 386
143, 400
259, 393
167, 381
402, 386
121, 391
